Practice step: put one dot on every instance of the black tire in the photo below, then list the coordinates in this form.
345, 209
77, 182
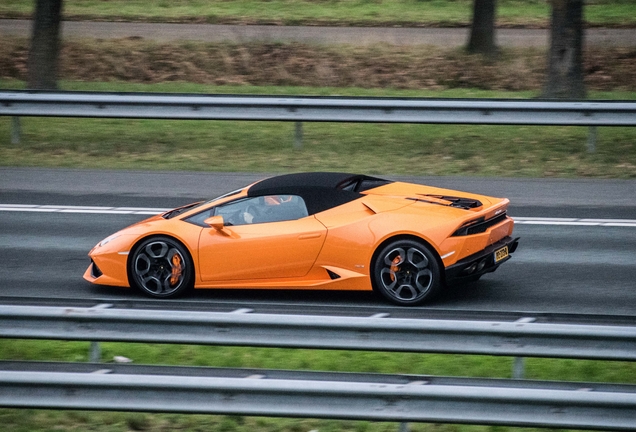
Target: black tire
406, 273
160, 267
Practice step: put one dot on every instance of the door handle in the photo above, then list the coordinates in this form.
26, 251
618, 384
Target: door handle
309, 236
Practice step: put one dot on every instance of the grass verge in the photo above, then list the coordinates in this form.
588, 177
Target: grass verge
510, 13
515, 151
324, 360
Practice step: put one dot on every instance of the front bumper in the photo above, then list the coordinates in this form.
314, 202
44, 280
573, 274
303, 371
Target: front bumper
109, 262
113, 277
481, 262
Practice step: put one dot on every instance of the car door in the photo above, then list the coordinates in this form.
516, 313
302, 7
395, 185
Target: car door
268, 237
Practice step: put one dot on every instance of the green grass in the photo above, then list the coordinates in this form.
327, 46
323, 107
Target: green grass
516, 151
531, 13
324, 360
33, 420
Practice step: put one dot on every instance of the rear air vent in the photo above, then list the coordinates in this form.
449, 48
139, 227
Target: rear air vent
464, 203
449, 201
478, 226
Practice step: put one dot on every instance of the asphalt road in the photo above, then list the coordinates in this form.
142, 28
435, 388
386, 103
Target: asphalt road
558, 268
445, 37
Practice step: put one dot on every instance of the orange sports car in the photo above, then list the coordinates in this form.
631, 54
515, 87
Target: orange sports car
332, 231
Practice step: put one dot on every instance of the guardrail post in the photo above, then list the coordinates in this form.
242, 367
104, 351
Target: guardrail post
591, 140
15, 130
298, 135
519, 368
95, 353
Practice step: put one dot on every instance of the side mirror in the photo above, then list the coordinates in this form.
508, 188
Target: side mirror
215, 222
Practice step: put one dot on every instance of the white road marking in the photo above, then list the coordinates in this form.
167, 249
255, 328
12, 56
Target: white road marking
81, 209
153, 211
575, 222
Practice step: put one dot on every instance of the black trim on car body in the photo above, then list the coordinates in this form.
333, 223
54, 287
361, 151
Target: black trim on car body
460, 270
480, 225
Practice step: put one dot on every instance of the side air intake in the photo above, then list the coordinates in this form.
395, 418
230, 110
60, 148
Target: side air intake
333, 275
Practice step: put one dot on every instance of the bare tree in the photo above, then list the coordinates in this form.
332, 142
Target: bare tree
482, 31
43, 54
565, 58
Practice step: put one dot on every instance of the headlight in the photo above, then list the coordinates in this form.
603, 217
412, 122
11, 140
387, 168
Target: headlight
108, 239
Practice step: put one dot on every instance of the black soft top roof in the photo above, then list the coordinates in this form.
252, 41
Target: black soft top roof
320, 190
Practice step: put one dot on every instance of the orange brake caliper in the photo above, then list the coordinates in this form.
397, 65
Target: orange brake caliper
394, 267
176, 269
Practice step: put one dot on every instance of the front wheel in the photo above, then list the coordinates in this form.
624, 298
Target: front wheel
161, 267
406, 273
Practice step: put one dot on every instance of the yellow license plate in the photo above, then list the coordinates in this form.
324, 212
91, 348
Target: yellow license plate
501, 254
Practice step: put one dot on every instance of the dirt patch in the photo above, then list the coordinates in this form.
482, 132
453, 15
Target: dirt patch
295, 64
502, 22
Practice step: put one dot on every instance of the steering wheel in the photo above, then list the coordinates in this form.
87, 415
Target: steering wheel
250, 213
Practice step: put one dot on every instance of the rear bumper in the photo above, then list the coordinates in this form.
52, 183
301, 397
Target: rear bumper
481, 262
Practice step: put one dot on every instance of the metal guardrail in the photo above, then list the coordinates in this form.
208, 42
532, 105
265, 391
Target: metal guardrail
378, 309
522, 339
318, 394
329, 109
326, 395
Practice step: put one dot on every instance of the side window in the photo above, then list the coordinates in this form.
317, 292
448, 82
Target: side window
277, 208
263, 209
237, 212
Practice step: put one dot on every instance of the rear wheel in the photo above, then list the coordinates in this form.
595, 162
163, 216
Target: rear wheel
161, 267
406, 273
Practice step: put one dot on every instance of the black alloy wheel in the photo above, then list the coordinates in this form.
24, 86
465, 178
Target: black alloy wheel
161, 267
406, 273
